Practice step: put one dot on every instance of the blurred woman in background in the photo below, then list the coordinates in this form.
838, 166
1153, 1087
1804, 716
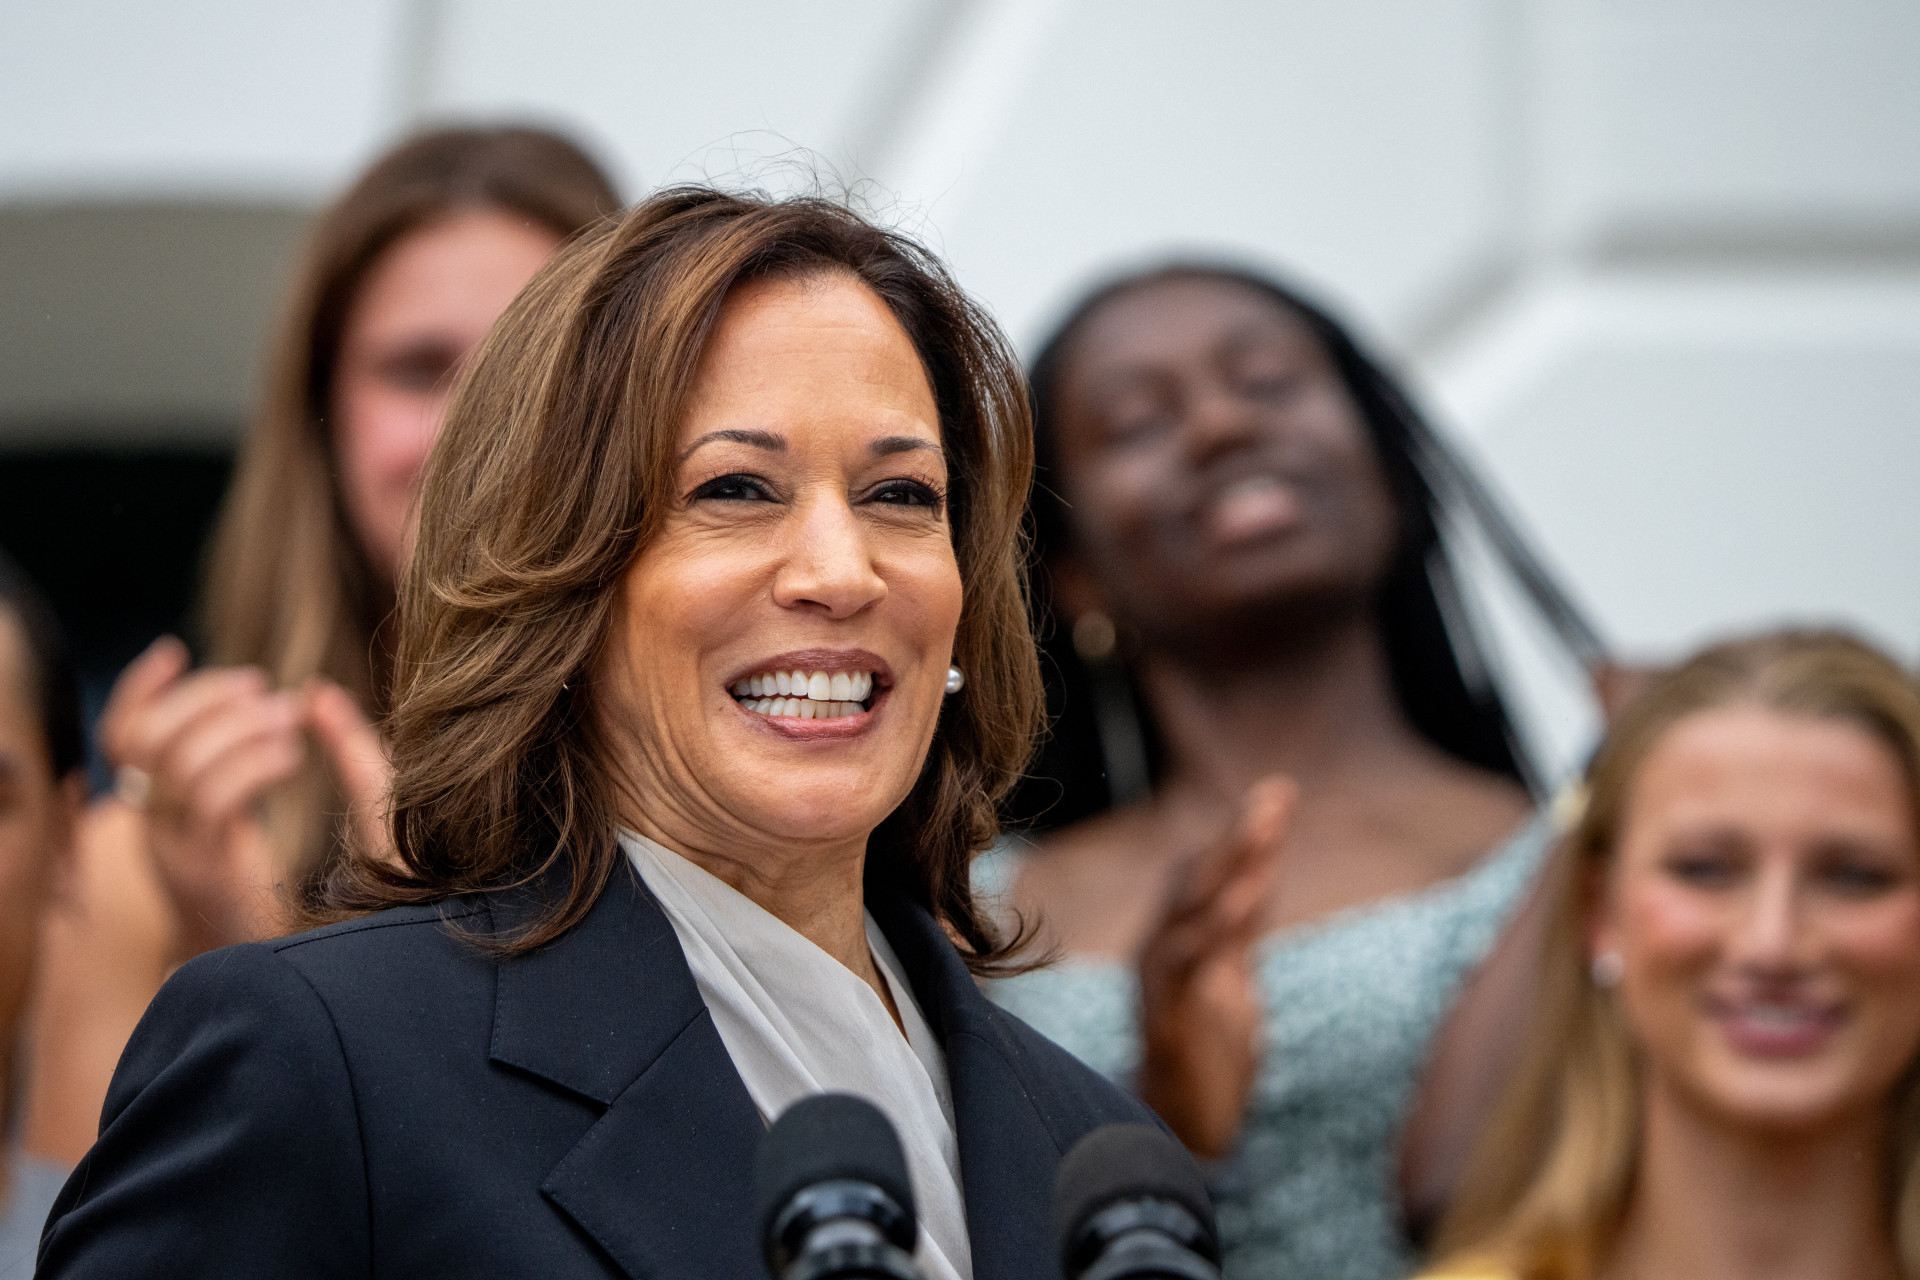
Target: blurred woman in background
1723, 1076
1238, 517
226, 813
43, 789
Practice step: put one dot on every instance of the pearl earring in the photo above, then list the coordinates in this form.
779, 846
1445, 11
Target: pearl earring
955, 681
1606, 969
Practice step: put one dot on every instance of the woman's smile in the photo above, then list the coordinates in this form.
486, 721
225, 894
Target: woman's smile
815, 693
1253, 507
1775, 1027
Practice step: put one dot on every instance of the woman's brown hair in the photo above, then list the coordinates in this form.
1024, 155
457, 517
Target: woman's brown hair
1548, 1189
289, 588
554, 469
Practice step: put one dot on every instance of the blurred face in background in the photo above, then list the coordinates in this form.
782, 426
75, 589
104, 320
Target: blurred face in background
1214, 460
1765, 903
423, 307
37, 816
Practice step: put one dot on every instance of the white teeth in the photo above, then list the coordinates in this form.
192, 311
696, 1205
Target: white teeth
800, 695
1777, 1015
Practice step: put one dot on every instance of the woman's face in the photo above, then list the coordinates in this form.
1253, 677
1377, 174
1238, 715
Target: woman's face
1765, 901
1214, 461
422, 309
786, 634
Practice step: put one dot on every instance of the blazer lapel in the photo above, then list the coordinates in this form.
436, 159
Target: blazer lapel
610, 1011
1009, 1150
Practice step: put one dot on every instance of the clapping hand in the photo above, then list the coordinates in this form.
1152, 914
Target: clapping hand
1199, 994
197, 752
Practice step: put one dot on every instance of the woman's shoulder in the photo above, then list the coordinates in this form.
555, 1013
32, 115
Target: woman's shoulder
430, 928
1095, 885
358, 970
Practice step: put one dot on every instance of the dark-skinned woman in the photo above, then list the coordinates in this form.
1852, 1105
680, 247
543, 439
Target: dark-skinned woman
1302, 938
713, 666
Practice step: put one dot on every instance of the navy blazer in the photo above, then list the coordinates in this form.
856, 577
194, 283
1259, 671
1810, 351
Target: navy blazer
381, 1098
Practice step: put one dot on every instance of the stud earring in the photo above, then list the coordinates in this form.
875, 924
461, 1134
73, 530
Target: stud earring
1606, 969
955, 681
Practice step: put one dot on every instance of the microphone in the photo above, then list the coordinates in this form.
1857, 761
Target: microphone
1129, 1205
832, 1194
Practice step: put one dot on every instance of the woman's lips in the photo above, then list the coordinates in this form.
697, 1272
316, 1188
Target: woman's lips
1252, 508
1769, 1029
813, 693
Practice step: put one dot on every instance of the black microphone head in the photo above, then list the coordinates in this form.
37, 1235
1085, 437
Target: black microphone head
830, 1137
1119, 1162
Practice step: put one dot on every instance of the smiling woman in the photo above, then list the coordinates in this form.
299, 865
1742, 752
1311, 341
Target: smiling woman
1723, 1076
687, 781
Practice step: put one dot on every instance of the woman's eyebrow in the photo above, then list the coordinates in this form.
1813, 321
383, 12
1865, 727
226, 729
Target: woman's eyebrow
886, 445
758, 439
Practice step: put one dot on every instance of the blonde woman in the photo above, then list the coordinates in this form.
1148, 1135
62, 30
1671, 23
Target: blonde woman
1723, 1078
240, 782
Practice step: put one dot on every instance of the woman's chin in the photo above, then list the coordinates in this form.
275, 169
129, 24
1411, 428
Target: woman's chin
1787, 1099
813, 789
815, 820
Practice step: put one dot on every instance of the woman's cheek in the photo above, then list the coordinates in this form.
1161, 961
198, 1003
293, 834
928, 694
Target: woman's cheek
926, 581
1882, 945
1669, 939
1668, 925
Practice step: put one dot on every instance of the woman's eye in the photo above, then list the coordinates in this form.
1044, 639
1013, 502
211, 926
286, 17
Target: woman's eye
733, 488
422, 370
1272, 385
1859, 879
1133, 418
1703, 871
908, 493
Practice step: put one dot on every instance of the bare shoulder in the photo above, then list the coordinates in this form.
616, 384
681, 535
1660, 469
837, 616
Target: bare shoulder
1093, 887
1462, 811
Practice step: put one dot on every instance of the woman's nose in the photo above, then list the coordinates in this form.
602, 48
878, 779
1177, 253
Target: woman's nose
1771, 935
828, 563
1218, 420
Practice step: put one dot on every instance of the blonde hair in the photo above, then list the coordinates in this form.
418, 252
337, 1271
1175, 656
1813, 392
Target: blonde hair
289, 588
554, 468
1547, 1192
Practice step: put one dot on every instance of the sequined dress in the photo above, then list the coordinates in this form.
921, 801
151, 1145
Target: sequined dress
1353, 1002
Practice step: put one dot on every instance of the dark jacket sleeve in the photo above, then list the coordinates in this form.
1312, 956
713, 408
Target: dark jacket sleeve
229, 1145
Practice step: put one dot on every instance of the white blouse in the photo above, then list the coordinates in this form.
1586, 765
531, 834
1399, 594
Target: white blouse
797, 1022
